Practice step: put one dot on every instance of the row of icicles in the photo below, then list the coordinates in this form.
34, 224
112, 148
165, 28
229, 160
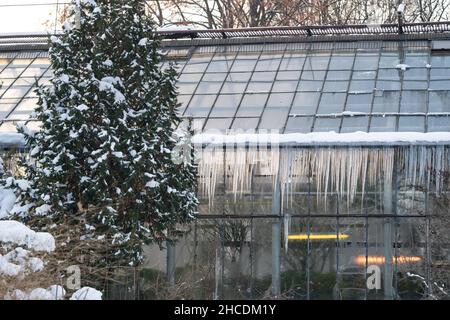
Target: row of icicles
342, 171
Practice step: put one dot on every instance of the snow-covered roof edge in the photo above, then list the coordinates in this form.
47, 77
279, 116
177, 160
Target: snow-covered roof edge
296, 139
326, 138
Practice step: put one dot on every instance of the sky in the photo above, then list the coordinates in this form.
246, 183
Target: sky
17, 16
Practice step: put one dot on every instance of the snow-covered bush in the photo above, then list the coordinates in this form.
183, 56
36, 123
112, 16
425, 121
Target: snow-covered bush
102, 162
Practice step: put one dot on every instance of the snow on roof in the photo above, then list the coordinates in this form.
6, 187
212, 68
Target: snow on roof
326, 138
290, 87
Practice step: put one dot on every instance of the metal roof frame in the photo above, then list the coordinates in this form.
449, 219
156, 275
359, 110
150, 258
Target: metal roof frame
40, 40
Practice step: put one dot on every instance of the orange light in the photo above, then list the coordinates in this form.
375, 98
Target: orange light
323, 236
361, 260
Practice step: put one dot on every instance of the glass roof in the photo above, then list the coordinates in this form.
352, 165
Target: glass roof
367, 86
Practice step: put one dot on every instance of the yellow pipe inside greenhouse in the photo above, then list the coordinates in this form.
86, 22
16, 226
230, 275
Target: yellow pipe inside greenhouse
318, 236
361, 260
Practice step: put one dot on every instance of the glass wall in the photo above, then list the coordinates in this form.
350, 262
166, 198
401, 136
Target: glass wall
389, 242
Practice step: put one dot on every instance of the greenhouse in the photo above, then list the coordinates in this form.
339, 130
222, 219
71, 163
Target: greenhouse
323, 158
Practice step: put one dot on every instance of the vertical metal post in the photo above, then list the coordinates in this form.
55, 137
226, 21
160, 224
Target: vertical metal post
170, 267
276, 240
387, 235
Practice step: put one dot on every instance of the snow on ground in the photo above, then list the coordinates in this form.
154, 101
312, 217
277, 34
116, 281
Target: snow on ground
86, 293
54, 292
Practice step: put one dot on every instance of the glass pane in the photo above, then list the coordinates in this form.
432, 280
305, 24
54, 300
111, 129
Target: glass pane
416, 74
436, 124
440, 85
186, 88
389, 74
388, 85
16, 92
331, 103
200, 105
362, 85
263, 76
416, 59
218, 124
308, 85
440, 74
383, 124
305, 103
252, 105
239, 77
259, 87
313, 75
208, 87
33, 72
268, 62
364, 75
440, 60
299, 124
338, 75
214, 77
439, 101
288, 75
274, 118
292, 61
19, 62
192, 67
284, 86
280, 100
366, 61
352, 124
388, 101
388, 79
327, 124
27, 105
11, 72
414, 101
5, 108
234, 87
359, 103
9, 126
226, 105
415, 85
317, 61
244, 62
389, 59
407, 123
335, 86
190, 77
200, 57
245, 123
341, 61
19, 115
221, 62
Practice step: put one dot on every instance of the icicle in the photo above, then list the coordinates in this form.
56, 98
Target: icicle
343, 171
287, 228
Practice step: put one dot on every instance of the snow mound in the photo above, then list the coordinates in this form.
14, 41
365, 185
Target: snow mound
86, 293
54, 292
18, 261
14, 232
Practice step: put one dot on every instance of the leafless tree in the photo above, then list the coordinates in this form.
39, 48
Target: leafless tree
257, 13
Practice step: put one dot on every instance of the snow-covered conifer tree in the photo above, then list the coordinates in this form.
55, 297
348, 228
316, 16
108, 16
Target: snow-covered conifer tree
103, 155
